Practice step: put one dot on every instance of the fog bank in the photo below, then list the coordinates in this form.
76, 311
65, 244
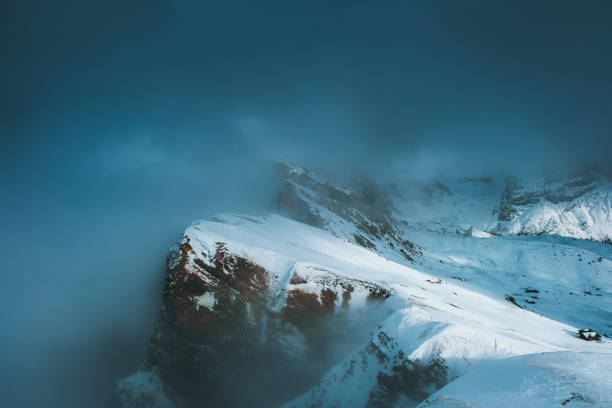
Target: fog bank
120, 124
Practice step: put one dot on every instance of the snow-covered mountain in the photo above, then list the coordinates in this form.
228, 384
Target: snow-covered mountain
363, 297
363, 213
578, 206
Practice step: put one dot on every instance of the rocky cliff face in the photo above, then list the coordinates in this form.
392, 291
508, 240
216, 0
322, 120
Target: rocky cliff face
578, 207
363, 212
225, 315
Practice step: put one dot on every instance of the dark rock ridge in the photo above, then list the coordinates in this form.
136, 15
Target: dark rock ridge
362, 212
399, 380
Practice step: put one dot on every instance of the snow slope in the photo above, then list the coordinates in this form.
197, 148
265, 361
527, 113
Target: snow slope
535, 380
459, 324
466, 321
460, 312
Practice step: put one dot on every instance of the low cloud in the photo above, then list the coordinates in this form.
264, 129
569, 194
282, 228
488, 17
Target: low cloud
121, 124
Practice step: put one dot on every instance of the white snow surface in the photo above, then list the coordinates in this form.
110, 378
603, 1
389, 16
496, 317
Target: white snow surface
561, 285
207, 300
534, 380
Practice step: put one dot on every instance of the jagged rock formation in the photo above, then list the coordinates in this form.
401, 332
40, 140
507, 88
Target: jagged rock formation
363, 213
392, 377
579, 207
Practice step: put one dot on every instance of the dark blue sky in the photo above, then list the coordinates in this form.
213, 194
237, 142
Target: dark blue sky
121, 122
334, 79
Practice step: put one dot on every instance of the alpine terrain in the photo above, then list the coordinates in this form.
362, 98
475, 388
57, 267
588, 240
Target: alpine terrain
479, 292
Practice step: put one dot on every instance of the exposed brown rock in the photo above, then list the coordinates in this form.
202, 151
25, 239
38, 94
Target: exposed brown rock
299, 302
328, 299
198, 347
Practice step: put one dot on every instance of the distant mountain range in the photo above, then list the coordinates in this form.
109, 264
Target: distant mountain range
577, 206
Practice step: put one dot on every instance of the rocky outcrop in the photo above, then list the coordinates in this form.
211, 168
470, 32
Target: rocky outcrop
211, 303
224, 317
589, 335
378, 374
362, 212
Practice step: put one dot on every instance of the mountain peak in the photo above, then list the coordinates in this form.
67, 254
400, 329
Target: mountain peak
363, 212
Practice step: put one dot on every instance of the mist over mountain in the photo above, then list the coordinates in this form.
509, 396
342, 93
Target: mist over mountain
123, 123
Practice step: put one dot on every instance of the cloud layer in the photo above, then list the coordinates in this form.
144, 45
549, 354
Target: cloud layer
121, 123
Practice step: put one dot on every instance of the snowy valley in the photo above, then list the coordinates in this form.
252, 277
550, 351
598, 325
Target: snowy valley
457, 293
